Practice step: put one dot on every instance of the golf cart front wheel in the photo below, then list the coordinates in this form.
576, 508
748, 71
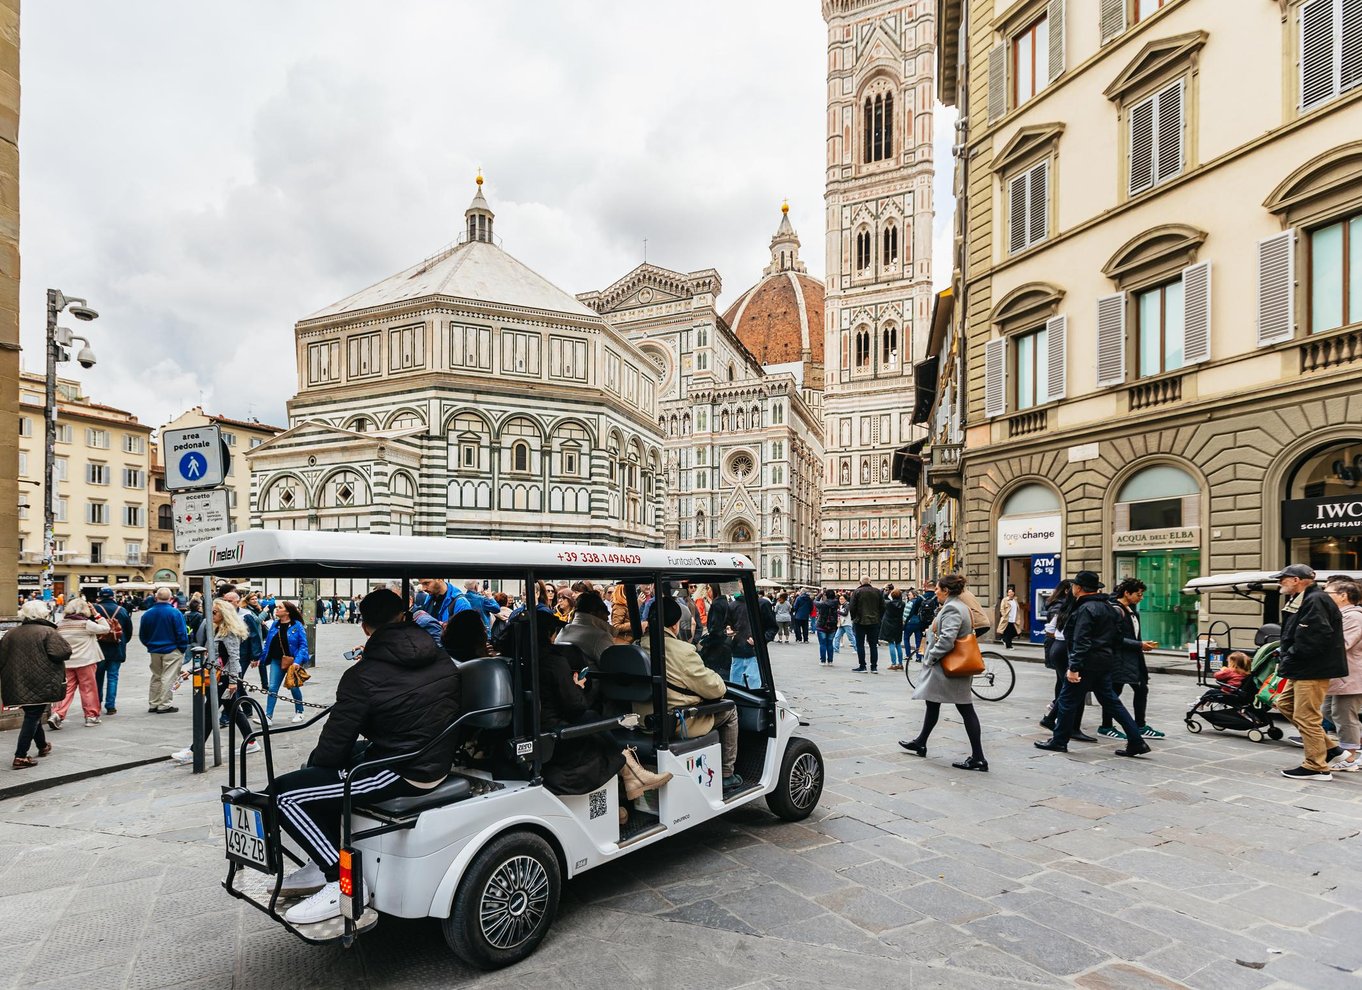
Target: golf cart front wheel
506, 901
801, 781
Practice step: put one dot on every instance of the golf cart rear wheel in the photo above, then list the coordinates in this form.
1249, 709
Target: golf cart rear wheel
1193, 725
506, 901
801, 781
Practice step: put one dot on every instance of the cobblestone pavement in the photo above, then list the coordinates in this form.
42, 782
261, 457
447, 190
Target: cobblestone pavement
1199, 867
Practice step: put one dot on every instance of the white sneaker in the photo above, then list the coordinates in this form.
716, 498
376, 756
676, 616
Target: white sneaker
253, 747
183, 756
92, 720
321, 906
1346, 766
303, 882
298, 718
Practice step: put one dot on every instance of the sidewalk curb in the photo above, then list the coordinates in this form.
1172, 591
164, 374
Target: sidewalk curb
33, 786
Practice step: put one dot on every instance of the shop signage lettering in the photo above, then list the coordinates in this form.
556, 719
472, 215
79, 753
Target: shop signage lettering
1158, 539
1333, 515
1022, 536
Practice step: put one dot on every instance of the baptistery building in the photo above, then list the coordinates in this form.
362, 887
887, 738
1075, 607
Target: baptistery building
467, 396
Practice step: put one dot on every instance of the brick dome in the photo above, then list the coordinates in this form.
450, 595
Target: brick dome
780, 319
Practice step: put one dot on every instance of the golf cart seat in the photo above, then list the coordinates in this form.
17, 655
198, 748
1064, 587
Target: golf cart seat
625, 673
484, 683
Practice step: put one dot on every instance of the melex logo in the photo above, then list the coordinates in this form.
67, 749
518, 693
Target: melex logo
227, 555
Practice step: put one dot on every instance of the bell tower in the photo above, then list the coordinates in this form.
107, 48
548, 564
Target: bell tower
881, 81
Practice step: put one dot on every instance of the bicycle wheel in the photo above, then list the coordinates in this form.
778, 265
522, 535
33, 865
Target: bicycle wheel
908, 671
997, 680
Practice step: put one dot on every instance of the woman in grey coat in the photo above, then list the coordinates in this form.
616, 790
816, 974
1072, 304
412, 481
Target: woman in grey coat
936, 689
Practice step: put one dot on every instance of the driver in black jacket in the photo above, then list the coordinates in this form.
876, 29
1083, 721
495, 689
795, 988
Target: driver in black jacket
400, 695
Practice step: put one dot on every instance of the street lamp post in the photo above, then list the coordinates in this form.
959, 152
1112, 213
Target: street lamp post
56, 338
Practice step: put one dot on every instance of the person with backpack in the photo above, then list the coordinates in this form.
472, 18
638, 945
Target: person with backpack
825, 624
917, 617
114, 647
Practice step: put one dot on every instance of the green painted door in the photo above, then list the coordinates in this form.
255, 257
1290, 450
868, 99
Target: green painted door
1166, 614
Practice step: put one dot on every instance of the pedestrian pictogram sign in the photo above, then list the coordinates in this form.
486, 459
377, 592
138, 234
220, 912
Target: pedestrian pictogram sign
199, 516
195, 458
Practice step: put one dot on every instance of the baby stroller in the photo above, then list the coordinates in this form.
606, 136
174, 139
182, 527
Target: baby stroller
1240, 711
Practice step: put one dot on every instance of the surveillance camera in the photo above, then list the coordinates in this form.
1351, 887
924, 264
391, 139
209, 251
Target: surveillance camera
86, 357
84, 313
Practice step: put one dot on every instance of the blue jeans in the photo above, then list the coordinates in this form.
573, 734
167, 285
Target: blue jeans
825, 650
1071, 706
895, 653
108, 670
277, 679
745, 667
837, 637
916, 649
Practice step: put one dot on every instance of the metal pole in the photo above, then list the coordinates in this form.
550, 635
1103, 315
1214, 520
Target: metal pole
50, 449
211, 674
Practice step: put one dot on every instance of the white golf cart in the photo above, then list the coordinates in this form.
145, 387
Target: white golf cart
488, 849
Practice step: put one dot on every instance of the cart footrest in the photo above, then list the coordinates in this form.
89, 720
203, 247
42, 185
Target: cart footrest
257, 888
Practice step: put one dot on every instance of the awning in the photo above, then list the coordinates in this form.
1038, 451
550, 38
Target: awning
906, 467
924, 389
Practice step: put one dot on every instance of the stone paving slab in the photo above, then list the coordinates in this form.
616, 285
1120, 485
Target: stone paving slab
1084, 870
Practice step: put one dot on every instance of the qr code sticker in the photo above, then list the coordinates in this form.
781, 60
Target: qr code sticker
599, 806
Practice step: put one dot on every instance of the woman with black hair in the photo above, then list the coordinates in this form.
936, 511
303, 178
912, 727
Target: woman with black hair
952, 623
465, 637
285, 645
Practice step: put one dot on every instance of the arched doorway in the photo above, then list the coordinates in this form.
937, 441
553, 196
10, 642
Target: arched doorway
1322, 514
1029, 539
1156, 538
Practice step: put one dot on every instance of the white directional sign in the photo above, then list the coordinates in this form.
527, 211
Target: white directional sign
199, 516
194, 458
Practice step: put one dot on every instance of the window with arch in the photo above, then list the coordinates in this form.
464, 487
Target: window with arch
360, 424
520, 456
890, 254
165, 518
777, 567
889, 346
863, 348
777, 475
1162, 496
732, 372
777, 449
863, 243
878, 127
778, 414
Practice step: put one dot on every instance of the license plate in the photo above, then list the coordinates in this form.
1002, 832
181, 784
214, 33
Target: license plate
247, 839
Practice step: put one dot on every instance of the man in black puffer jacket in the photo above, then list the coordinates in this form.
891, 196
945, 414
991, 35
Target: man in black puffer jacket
1312, 652
400, 695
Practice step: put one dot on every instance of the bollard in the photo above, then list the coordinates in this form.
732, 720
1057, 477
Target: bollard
197, 656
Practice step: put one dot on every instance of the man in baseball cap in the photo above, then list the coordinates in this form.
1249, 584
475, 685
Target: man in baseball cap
1312, 652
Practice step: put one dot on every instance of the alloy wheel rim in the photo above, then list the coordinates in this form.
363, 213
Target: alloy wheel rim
514, 902
805, 775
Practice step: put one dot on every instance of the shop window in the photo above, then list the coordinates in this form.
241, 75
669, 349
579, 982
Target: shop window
1030, 499
1336, 274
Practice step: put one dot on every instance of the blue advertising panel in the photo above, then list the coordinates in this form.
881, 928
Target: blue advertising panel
1044, 580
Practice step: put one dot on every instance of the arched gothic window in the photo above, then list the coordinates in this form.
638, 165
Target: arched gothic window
879, 127
863, 348
890, 254
732, 373
863, 247
520, 456
869, 128
889, 346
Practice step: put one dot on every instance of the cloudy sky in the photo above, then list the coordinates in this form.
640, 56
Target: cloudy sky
206, 175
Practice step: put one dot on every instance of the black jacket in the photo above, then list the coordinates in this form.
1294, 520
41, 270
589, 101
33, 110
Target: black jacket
867, 605
1093, 632
578, 766
1312, 639
401, 695
1130, 666
1056, 650
33, 664
826, 609
891, 626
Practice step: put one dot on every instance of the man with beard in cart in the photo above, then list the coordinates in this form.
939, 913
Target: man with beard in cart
400, 695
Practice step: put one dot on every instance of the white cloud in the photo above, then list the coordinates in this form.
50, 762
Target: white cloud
208, 176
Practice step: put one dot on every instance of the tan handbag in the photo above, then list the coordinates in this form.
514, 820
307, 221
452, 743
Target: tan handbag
964, 659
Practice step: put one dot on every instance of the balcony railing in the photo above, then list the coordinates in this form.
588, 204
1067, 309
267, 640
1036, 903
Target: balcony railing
1158, 392
1331, 352
1026, 423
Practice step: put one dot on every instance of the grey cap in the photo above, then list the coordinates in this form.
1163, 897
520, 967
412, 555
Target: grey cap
1295, 571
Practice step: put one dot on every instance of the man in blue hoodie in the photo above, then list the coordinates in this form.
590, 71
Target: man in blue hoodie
164, 633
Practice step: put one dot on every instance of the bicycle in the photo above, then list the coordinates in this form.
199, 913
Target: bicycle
994, 684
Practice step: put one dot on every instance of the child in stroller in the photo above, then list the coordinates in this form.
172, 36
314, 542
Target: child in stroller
1233, 702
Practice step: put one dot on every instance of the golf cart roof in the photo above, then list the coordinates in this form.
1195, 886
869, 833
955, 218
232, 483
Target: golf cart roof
1245, 581
300, 553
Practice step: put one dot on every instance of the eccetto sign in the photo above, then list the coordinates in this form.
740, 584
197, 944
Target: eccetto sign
1333, 515
1021, 536
1158, 539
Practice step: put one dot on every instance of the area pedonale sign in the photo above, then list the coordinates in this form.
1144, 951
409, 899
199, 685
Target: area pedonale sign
1333, 515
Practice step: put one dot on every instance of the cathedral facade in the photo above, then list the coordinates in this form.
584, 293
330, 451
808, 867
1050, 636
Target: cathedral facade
879, 285
738, 411
467, 396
